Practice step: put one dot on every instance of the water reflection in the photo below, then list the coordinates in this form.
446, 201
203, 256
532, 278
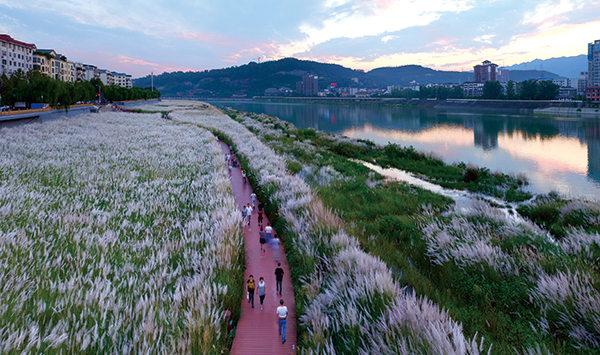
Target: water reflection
555, 153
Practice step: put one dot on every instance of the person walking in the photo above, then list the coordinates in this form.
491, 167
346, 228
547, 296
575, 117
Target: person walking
269, 231
275, 245
244, 175
244, 213
249, 213
253, 196
262, 291
251, 285
260, 218
262, 239
282, 313
278, 279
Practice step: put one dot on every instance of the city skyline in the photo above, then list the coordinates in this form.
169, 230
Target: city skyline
153, 36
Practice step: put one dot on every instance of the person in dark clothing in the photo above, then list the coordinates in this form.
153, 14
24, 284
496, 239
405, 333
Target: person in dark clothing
279, 278
251, 286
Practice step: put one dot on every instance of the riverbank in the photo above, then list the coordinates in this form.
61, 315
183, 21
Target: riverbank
554, 107
494, 274
66, 111
582, 112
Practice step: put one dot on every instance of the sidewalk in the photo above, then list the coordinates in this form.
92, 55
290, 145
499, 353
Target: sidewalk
257, 330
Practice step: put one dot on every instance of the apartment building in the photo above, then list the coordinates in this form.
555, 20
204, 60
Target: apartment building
472, 89
41, 63
123, 80
487, 71
55, 65
15, 55
86, 72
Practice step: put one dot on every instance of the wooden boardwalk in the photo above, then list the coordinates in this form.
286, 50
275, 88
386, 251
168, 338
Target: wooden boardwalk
257, 330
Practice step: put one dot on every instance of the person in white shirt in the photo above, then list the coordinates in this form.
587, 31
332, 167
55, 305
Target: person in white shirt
269, 231
249, 213
282, 313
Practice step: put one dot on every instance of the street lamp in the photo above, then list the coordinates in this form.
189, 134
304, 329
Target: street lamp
42, 101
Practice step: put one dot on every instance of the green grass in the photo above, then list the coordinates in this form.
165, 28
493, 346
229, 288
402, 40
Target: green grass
388, 220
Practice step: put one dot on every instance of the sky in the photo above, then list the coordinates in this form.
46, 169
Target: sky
143, 36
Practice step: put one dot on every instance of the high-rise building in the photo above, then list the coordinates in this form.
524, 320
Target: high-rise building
15, 55
582, 83
308, 86
594, 63
503, 75
311, 84
487, 71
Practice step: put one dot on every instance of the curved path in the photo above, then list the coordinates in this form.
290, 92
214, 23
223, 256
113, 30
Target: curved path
256, 332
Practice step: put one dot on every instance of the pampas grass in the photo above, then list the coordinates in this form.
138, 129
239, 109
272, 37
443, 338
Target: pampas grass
352, 302
114, 231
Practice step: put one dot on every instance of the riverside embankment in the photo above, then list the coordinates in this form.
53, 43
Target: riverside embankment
552, 107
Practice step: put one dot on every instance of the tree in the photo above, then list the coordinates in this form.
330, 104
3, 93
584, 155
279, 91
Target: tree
457, 93
529, 89
510, 90
492, 90
547, 90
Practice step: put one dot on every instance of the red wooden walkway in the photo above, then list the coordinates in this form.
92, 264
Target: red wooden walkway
257, 330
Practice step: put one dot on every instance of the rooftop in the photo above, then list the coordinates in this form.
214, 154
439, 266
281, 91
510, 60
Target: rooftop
9, 39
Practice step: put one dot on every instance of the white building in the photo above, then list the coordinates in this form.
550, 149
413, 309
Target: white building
472, 89
122, 80
15, 55
582, 83
86, 72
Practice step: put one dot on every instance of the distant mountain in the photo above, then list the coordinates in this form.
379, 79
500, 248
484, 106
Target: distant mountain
522, 75
422, 75
254, 78
569, 67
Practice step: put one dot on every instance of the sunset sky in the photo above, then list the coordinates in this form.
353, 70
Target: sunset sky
138, 37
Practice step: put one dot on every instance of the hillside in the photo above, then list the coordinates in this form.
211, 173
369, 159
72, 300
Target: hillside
253, 79
408, 73
522, 75
569, 67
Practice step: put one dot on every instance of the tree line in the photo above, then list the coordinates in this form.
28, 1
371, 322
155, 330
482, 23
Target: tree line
35, 87
527, 90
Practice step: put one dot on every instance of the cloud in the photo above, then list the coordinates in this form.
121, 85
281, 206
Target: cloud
203, 34
546, 13
484, 39
126, 59
385, 39
359, 18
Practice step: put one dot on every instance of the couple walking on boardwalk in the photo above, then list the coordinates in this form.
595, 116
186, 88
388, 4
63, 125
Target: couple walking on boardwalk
261, 288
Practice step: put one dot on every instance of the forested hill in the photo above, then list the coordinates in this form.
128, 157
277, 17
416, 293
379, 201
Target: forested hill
254, 78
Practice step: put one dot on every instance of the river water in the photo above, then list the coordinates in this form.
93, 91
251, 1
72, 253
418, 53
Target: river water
556, 154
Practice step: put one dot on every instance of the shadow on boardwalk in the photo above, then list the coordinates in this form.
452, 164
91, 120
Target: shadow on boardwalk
257, 330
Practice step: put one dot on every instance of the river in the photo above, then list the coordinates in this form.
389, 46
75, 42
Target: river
556, 154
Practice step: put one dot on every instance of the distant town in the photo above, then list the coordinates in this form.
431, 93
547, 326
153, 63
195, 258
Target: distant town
17, 55
587, 85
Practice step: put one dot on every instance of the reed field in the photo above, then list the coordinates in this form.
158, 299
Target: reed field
348, 300
522, 286
119, 234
